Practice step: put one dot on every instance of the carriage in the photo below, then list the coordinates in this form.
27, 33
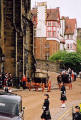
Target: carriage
41, 80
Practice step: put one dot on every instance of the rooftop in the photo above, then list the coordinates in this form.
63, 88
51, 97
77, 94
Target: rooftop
52, 14
70, 25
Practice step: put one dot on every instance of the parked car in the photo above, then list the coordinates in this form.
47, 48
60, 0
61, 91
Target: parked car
11, 107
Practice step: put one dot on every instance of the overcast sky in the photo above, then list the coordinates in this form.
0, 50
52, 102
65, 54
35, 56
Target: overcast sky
71, 8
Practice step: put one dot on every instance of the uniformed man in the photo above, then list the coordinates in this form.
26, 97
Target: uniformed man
77, 114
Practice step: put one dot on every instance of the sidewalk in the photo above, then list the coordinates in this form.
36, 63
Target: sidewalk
61, 113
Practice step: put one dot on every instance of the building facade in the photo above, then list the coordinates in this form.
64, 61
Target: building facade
46, 31
16, 36
70, 35
52, 32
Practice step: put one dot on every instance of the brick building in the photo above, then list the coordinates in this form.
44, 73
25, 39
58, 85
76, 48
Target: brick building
46, 31
52, 32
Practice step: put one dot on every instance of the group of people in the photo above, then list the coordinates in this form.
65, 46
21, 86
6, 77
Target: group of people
76, 115
6, 80
46, 112
63, 78
66, 77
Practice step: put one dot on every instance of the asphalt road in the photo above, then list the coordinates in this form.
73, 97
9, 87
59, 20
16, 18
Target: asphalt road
33, 102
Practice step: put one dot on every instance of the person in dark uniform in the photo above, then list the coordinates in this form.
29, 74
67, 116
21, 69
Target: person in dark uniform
46, 112
77, 114
64, 77
0, 81
70, 82
63, 95
59, 80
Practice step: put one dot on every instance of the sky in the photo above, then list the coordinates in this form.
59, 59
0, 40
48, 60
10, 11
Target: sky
71, 8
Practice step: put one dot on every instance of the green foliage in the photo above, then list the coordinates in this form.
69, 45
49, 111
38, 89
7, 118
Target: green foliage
79, 46
72, 60
59, 56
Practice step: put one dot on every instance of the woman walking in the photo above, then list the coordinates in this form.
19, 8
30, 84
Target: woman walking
46, 112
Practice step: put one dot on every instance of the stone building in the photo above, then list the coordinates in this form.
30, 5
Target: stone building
16, 35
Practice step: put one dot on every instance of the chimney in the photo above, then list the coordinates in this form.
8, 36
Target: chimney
41, 19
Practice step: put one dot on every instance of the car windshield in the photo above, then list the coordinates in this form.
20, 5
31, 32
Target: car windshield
8, 108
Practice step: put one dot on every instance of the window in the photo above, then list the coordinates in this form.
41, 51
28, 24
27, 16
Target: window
54, 28
49, 23
54, 24
71, 46
47, 56
47, 45
67, 36
67, 46
49, 34
49, 28
71, 36
54, 34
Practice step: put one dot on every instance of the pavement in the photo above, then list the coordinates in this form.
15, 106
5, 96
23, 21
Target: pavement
65, 113
33, 102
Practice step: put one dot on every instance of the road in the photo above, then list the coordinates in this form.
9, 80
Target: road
33, 101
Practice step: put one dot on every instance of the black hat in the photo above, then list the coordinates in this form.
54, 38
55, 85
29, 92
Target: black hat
77, 107
46, 95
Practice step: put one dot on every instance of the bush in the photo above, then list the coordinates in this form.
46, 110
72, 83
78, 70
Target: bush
59, 56
72, 60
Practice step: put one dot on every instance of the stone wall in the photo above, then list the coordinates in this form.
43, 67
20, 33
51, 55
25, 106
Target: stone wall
48, 66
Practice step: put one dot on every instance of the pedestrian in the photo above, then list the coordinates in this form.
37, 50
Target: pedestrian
70, 82
46, 112
0, 81
75, 76
80, 74
24, 81
59, 80
63, 95
77, 114
64, 77
72, 75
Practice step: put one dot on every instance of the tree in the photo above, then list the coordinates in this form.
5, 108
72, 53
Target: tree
59, 56
79, 46
72, 60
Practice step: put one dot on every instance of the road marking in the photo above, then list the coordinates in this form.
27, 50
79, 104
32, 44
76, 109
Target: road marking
63, 115
60, 118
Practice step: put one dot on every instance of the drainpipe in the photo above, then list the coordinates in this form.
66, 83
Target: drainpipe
16, 57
